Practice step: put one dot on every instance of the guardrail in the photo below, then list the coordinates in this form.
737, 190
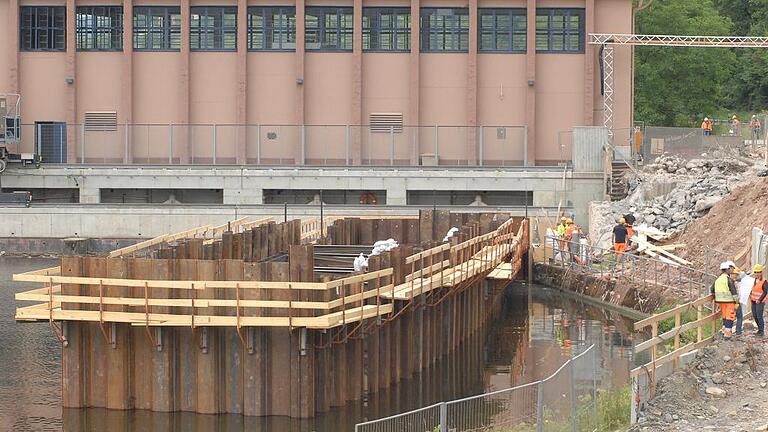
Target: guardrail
636, 269
567, 399
270, 144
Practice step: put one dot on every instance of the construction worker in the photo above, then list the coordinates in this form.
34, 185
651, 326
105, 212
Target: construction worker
757, 298
726, 296
630, 219
706, 126
743, 298
561, 227
573, 235
735, 126
754, 128
620, 238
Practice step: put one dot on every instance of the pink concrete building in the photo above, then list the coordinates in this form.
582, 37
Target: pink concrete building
520, 70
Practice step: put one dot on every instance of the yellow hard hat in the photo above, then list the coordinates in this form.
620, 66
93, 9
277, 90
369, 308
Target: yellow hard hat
734, 117
569, 220
622, 221
736, 270
758, 268
563, 219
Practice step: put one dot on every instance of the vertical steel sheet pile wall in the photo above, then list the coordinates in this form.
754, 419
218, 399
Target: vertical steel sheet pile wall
368, 340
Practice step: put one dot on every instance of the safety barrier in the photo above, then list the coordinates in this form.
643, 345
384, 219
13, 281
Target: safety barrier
565, 400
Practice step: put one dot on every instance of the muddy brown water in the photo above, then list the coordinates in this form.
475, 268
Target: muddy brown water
537, 331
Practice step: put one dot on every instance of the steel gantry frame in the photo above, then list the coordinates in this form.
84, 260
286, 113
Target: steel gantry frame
608, 40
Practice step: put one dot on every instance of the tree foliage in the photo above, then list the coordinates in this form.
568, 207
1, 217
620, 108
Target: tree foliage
679, 86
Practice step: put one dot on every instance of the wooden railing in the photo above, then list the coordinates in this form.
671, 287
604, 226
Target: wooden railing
706, 315
240, 304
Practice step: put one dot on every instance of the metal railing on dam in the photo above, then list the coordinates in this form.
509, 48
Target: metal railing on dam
287, 145
262, 318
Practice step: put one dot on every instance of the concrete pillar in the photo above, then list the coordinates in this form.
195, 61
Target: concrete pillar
396, 191
472, 85
357, 81
414, 75
243, 196
125, 116
242, 81
185, 150
530, 74
70, 116
13, 46
89, 195
589, 66
300, 44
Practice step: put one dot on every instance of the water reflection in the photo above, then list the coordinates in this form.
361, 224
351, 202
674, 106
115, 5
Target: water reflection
536, 332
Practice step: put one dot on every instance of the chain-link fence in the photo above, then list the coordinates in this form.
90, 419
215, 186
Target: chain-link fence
564, 401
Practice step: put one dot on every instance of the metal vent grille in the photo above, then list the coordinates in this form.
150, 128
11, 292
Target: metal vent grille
101, 121
386, 122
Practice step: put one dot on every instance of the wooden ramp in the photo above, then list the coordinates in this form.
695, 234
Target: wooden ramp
502, 271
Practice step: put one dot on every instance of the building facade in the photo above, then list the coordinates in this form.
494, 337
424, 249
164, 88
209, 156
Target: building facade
290, 82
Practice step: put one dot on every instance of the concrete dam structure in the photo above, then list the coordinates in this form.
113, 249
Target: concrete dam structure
271, 319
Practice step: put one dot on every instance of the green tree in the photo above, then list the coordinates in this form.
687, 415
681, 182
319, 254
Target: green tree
679, 86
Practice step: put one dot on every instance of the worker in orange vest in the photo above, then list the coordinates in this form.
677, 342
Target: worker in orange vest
706, 125
757, 298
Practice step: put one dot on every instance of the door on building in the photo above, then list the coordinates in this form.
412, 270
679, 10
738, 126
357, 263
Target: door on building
51, 141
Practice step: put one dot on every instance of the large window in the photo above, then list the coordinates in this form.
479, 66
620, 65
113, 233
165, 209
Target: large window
328, 28
560, 30
213, 28
43, 28
156, 28
271, 28
444, 29
502, 30
387, 29
99, 28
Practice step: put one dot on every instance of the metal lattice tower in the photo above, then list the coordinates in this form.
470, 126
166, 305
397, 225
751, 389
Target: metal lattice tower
608, 40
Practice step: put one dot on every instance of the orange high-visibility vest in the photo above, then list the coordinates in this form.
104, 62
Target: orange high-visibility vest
757, 291
707, 125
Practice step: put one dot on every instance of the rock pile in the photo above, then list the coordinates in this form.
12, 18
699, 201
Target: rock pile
672, 192
723, 388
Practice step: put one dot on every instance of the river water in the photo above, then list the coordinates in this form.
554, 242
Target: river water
538, 330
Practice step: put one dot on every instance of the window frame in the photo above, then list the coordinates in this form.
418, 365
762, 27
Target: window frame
215, 31
425, 31
269, 28
113, 32
374, 29
167, 30
566, 13
322, 30
54, 29
495, 30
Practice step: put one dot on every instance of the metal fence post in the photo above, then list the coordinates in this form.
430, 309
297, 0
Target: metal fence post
82, 144
170, 144
594, 387
437, 144
525, 145
214, 145
571, 381
480, 147
346, 145
540, 407
443, 417
126, 143
391, 145
258, 144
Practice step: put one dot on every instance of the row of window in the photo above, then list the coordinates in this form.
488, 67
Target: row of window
158, 28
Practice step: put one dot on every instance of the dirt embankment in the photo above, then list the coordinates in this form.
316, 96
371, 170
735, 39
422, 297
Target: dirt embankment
724, 389
728, 225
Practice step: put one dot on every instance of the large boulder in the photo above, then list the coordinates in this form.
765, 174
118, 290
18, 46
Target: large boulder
706, 203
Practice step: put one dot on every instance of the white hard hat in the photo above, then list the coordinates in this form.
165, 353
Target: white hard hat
706, 118
731, 263
725, 265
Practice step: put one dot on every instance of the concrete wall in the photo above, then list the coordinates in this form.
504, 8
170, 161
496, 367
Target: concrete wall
450, 89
